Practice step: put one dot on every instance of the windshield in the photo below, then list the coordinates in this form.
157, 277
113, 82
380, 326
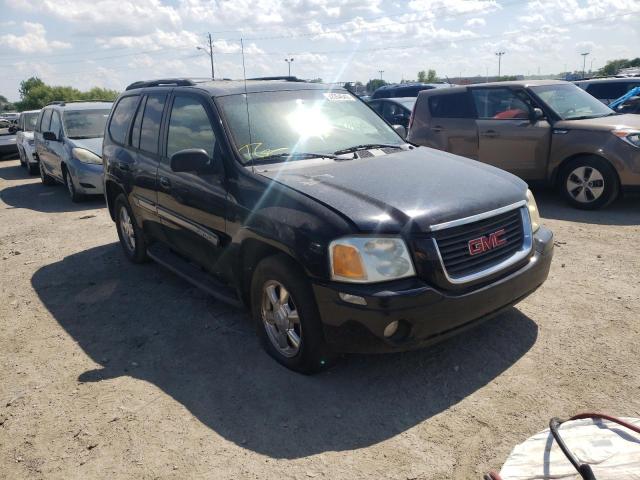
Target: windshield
571, 102
85, 123
302, 121
30, 121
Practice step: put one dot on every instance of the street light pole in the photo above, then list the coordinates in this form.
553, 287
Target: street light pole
210, 51
499, 54
584, 63
381, 72
289, 62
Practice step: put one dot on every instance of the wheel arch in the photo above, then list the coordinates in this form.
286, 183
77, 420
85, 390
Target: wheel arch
111, 192
556, 175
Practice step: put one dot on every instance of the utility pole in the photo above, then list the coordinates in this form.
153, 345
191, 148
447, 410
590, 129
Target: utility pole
591, 67
381, 72
499, 54
584, 63
210, 51
289, 61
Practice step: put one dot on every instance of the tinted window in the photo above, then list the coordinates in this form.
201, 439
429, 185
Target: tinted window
377, 106
456, 105
137, 122
608, 91
55, 124
46, 119
499, 104
396, 114
121, 118
150, 130
189, 127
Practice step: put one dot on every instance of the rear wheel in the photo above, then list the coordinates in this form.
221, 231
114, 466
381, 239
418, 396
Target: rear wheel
45, 178
131, 236
286, 316
23, 160
589, 183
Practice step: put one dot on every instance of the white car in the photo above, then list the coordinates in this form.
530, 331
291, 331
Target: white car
25, 142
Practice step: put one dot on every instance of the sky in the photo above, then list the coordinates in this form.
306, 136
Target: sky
111, 43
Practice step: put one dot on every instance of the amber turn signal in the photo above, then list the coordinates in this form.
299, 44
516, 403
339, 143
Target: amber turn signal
347, 262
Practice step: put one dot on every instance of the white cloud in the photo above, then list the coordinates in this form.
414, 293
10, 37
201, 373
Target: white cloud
475, 22
33, 40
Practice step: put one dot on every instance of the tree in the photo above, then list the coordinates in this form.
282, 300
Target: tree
5, 105
374, 84
613, 66
34, 94
354, 87
427, 77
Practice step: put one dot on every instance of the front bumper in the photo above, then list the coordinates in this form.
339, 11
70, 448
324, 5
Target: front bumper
88, 178
427, 315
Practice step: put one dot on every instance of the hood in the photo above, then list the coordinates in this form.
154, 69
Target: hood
603, 124
422, 187
92, 144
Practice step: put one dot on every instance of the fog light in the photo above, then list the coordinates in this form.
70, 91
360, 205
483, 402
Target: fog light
347, 297
391, 329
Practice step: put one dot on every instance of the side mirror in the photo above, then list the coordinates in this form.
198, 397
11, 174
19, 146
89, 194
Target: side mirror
50, 136
190, 160
537, 114
13, 129
400, 130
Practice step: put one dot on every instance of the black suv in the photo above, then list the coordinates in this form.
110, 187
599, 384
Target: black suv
298, 201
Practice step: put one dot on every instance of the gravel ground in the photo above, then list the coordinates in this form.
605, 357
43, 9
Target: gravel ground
111, 370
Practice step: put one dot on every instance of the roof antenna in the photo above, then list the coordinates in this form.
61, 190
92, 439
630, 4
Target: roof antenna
246, 101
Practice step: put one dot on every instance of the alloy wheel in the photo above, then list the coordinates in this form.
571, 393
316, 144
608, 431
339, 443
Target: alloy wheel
281, 319
126, 228
585, 184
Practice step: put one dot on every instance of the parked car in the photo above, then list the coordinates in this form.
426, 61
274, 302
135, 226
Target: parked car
8, 147
396, 111
542, 131
298, 201
25, 141
403, 90
608, 89
68, 140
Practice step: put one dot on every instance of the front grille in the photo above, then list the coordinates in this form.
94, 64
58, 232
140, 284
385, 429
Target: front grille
453, 243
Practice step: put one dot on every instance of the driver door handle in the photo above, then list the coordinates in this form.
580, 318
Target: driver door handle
490, 134
165, 182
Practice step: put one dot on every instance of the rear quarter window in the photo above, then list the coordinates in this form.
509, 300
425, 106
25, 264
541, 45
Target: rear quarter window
456, 105
121, 118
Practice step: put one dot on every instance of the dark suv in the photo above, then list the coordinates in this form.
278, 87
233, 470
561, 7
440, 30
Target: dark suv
298, 201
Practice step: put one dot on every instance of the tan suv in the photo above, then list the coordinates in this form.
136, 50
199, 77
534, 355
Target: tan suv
543, 131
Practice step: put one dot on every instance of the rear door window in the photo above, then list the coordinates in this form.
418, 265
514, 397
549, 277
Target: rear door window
608, 91
150, 128
456, 105
121, 118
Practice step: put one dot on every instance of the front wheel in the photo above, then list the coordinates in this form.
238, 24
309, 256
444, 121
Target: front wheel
286, 316
71, 188
589, 183
131, 236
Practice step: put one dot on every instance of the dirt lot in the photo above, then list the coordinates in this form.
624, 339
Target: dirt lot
110, 370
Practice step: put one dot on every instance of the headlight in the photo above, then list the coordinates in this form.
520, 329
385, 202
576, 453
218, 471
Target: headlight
533, 212
369, 259
627, 135
85, 156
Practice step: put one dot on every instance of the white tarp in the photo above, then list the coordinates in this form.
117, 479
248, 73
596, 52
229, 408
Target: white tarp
612, 451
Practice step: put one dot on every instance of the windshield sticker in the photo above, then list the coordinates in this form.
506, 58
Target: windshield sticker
339, 97
255, 150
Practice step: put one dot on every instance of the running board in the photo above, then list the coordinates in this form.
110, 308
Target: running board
193, 274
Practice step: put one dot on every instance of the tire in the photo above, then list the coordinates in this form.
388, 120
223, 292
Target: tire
311, 354
23, 160
131, 236
31, 168
45, 178
71, 188
589, 183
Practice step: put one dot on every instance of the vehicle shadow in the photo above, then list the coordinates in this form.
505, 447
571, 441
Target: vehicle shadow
35, 196
14, 172
147, 323
623, 211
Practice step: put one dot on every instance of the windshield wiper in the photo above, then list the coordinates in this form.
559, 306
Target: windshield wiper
293, 156
366, 146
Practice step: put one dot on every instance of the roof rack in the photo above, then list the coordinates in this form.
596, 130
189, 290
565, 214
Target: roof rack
179, 82
285, 78
62, 103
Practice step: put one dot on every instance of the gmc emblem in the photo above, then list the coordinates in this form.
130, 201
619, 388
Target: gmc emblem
486, 243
